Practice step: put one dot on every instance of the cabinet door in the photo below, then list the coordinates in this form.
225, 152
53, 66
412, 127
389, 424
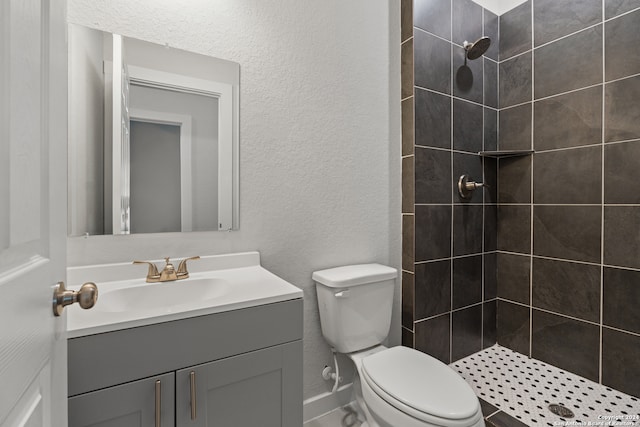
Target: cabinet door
128, 405
261, 388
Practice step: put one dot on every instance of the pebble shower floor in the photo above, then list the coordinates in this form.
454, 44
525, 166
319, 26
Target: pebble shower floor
524, 388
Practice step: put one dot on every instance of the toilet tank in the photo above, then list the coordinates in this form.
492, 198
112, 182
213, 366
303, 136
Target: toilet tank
355, 303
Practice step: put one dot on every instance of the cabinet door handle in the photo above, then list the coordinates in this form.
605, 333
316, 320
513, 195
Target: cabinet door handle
192, 380
158, 403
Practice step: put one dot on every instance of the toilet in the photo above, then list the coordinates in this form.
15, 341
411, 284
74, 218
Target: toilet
397, 386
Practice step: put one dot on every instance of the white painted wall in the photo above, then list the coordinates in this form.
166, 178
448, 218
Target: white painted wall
319, 136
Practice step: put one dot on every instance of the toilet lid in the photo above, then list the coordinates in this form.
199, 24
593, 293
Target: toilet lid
420, 382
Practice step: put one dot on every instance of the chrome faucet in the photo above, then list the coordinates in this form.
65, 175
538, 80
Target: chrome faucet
168, 273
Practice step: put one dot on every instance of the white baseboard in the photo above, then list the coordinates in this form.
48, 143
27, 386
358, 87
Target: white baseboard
326, 402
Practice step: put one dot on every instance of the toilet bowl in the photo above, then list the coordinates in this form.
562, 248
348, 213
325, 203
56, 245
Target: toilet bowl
402, 387
397, 386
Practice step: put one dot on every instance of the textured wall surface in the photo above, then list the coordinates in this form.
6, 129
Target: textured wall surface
319, 136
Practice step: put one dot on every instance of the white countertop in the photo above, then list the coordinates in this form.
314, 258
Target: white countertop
243, 283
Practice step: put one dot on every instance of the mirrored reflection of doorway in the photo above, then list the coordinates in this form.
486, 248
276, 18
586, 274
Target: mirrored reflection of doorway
155, 177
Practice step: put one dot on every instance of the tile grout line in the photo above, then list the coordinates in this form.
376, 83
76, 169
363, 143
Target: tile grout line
452, 180
484, 86
531, 177
602, 198
453, 96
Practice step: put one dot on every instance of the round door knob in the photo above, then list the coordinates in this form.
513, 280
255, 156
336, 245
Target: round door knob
86, 297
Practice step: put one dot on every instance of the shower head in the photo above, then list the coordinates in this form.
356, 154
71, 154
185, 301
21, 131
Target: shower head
477, 49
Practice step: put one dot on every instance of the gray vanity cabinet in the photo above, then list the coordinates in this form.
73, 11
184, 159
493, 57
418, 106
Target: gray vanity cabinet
253, 389
136, 404
245, 367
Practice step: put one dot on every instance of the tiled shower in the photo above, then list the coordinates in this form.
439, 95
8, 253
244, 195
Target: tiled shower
546, 260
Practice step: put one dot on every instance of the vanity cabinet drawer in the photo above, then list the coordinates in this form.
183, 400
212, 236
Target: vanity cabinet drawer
144, 403
112, 358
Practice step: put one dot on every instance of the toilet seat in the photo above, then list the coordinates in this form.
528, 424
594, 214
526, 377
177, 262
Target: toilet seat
420, 386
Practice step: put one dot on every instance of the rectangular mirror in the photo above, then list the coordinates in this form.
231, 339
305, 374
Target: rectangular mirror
153, 137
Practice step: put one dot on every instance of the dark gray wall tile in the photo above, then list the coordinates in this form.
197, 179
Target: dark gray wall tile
432, 62
568, 176
515, 128
490, 189
515, 80
568, 120
487, 408
567, 288
616, 7
467, 229
408, 193
466, 21
433, 119
466, 332
407, 337
622, 236
406, 19
513, 326
408, 135
619, 171
622, 46
513, 277
620, 361
490, 276
620, 297
566, 343
467, 281
622, 115
490, 83
407, 300
490, 129
491, 31
433, 16
514, 229
433, 232
489, 336
570, 63
432, 175
467, 126
407, 242
490, 228
567, 232
433, 289
432, 337
502, 419
406, 69
467, 76
514, 180
553, 19
470, 164
515, 31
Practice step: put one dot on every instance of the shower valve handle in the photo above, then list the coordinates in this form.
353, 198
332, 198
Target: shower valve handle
466, 185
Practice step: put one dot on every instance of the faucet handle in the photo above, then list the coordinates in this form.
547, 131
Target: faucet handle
168, 273
152, 275
182, 267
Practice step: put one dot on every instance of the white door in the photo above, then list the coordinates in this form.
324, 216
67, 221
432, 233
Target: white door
33, 117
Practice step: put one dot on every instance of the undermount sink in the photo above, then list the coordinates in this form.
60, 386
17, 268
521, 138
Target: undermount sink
216, 284
167, 295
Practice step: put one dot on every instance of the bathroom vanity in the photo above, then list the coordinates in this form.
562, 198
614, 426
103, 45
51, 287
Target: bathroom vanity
235, 362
